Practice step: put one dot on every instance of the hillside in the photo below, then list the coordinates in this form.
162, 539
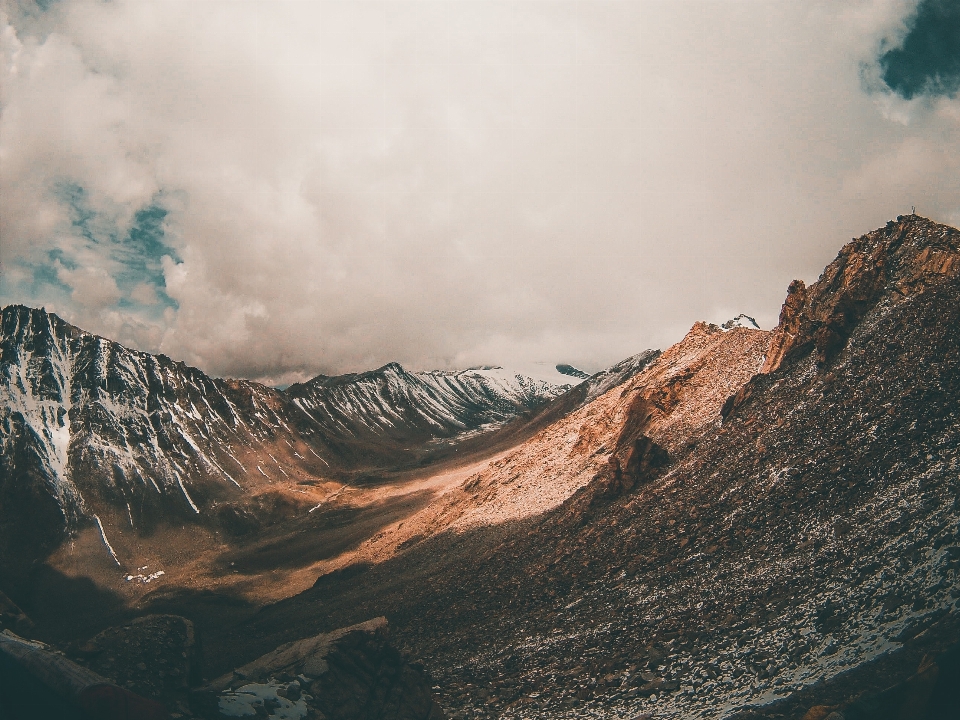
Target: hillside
750, 524
802, 552
95, 435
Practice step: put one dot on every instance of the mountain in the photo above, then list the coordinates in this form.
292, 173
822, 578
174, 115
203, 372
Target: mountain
394, 409
748, 525
94, 432
788, 549
88, 425
571, 371
741, 320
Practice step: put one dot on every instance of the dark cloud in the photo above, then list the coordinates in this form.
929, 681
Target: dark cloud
928, 60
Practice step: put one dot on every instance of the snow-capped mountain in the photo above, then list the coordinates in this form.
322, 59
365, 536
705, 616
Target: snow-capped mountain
402, 408
742, 321
86, 423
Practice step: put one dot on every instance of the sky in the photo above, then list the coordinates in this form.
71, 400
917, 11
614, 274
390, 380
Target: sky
274, 189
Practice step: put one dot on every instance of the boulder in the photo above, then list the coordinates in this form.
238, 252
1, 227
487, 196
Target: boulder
157, 656
352, 673
39, 683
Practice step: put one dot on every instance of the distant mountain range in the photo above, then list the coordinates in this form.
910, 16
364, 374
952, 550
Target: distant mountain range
87, 423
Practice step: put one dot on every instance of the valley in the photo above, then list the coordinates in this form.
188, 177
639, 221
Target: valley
749, 524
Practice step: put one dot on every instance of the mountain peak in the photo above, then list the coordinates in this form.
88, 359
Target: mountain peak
740, 321
898, 260
571, 371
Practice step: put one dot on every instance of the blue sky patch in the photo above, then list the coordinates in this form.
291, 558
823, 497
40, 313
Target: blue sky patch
927, 62
132, 256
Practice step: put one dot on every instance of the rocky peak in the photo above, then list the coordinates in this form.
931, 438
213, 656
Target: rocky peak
902, 258
571, 371
740, 321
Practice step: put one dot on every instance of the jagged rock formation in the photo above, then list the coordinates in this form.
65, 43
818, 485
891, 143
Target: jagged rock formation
801, 553
889, 264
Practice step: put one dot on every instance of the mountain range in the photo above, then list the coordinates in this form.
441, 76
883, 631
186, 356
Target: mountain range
749, 524
90, 428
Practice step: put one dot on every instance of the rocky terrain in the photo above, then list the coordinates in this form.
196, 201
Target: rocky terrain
796, 547
94, 434
751, 524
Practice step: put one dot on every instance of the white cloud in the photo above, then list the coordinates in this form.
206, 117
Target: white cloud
144, 293
91, 286
349, 183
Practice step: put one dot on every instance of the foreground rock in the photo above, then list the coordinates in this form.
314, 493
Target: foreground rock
348, 674
39, 683
157, 656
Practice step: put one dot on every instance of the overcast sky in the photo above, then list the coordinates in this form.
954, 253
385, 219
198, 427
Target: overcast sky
274, 189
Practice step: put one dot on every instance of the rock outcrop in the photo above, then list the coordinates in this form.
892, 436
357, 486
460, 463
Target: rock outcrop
349, 674
156, 656
891, 263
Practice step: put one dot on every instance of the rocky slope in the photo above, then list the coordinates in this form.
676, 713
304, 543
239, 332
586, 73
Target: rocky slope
793, 549
94, 433
675, 394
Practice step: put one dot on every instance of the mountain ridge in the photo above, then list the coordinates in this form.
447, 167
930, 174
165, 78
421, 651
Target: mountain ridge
749, 524
87, 423
795, 559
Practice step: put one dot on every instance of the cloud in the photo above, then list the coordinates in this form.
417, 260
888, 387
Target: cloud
91, 286
144, 293
277, 189
927, 60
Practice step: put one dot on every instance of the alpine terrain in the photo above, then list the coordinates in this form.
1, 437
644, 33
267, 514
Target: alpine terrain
749, 524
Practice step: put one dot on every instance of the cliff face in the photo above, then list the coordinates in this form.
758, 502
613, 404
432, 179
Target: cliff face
889, 264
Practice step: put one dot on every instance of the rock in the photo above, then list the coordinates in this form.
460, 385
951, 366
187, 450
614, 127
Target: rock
645, 460
901, 259
38, 682
157, 656
353, 674
788, 329
820, 712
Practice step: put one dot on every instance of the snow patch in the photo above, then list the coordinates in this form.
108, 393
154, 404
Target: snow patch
246, 700
103, 536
